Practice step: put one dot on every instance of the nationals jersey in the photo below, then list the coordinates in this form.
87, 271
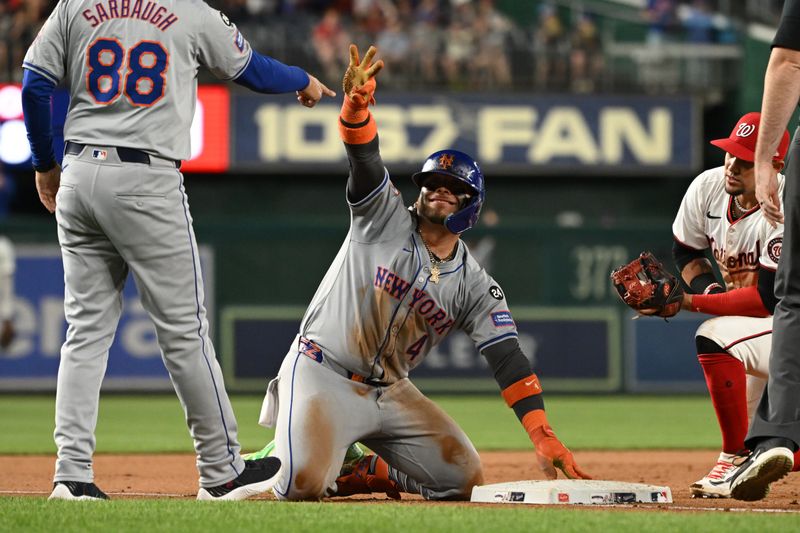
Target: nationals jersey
377, 312
131, 67
739, 246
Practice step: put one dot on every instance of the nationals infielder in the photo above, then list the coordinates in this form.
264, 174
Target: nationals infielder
719, 213
400, 283
131, 69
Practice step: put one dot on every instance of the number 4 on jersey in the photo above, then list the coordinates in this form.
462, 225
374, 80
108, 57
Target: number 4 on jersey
145, 80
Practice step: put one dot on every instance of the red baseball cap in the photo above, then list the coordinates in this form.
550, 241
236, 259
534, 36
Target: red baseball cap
742, 141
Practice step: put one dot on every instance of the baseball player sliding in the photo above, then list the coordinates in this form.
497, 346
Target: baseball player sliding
720, 213
131, 69
401, 282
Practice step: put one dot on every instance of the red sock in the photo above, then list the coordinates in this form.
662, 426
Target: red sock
726, 381
796, 467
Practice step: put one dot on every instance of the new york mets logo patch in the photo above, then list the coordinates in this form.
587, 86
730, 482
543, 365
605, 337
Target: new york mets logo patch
502, 319
446, 160
774, 248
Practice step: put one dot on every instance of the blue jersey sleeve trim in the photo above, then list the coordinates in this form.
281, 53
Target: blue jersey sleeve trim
42, 71
37, 91
374, 193
496, 340
264, 74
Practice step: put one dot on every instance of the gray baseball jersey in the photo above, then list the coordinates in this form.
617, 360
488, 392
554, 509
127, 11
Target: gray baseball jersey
375, 316
131, 68
379, 286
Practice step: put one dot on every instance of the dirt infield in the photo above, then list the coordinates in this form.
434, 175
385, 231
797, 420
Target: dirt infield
175, 475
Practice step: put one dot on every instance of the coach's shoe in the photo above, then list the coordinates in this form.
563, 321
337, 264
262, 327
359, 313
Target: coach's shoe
770, 461
370, 474
76, 490
258, 476
717, 483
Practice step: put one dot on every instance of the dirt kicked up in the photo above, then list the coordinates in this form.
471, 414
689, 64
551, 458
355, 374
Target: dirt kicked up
175, 476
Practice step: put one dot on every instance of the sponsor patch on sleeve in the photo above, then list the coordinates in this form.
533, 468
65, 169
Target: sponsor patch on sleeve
774, 248
502, 319
239, 41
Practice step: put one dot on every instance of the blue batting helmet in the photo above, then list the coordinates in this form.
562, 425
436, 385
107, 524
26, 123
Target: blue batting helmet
462, 167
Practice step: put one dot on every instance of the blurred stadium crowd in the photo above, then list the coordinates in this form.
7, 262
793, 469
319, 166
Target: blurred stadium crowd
454, 44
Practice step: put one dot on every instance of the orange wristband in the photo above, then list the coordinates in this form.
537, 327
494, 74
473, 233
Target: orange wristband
527, 386
362, 134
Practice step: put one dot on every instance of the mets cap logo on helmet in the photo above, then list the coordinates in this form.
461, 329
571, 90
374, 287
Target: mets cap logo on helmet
462, 167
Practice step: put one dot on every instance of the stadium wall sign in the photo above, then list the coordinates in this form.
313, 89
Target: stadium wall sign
519, 135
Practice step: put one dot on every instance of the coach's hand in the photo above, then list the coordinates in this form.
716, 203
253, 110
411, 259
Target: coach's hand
47, 185
552, 454
767, 192
359, 78
313, 92
7, 334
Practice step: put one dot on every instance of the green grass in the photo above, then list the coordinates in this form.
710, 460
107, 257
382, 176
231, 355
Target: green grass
29, 514
155, 423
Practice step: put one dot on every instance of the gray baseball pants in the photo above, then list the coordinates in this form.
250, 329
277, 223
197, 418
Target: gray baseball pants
113, 217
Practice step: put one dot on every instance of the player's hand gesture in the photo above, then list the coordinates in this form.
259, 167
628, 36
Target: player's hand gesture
767, 192
552, 454
47, 185
313, 92
359, 78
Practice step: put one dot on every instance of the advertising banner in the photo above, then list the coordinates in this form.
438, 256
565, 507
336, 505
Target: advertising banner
524, 135
571, 349
31, 362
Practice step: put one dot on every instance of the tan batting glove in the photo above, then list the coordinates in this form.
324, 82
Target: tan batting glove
359, 78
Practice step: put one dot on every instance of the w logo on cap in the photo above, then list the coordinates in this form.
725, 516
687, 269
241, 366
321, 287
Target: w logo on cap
745, 130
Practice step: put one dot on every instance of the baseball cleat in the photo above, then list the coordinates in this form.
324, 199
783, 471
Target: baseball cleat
717, 483
76, 490
750, 482
258, 477
266, 451
351, 457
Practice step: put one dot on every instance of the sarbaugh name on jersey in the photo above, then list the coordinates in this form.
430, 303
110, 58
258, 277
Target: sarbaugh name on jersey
147, 11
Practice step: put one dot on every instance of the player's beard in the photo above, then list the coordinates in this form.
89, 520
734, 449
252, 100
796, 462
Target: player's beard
734, 191
431, 213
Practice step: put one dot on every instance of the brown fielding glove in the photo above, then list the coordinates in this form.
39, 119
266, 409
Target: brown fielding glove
647, 287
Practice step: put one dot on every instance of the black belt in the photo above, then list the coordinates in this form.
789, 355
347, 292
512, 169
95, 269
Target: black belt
128, 155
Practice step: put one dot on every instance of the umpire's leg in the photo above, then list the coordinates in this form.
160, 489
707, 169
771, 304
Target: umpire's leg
778, 414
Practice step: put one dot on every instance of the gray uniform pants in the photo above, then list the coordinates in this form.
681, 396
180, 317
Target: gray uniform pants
112, 217
320, 413
778, 414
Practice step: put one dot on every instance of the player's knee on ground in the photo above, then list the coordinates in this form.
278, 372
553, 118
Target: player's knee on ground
311, 481
458, 483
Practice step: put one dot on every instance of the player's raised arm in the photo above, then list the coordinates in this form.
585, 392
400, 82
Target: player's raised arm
357, 126
523, 393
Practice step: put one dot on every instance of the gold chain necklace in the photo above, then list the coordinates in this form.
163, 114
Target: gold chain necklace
435, 261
